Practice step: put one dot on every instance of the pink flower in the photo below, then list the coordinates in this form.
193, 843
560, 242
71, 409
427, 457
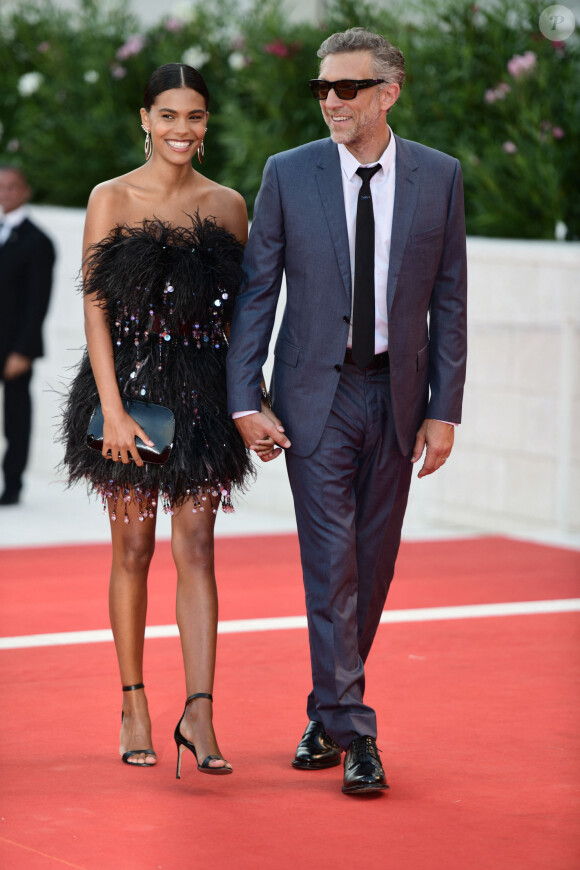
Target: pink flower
513, 66
282, 49
522, 63
546, 129
118, 71
132, 46
174, 25
509, 147
43, 46
278, 48
498, 93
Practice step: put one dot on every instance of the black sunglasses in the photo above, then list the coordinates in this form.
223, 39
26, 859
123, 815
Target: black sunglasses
345, 89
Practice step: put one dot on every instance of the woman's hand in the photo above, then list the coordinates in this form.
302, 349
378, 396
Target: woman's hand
263, 433
119, 433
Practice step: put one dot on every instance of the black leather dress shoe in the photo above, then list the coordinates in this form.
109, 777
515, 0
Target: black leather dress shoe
363, 771
316, 750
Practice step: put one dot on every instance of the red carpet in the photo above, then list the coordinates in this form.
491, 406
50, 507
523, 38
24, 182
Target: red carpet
478, 722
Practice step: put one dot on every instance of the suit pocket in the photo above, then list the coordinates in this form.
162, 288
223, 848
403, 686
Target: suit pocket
423, 357
287, 353
426, 235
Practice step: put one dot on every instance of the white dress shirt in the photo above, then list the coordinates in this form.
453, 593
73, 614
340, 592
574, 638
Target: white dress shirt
11, 220
383, 194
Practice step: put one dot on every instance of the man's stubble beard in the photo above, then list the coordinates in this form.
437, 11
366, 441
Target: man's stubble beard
362, 131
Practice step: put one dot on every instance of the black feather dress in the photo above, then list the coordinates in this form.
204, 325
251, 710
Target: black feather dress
167, 291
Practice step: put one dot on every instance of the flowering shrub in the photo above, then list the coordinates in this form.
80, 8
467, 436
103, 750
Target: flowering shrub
482, 84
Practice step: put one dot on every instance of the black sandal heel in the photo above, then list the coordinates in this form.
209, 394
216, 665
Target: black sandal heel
131, 752
182, 744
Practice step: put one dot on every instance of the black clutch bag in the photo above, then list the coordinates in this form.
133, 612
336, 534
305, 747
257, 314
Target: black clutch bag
156, 420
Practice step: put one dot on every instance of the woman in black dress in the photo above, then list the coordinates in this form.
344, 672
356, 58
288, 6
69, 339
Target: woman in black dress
162, 252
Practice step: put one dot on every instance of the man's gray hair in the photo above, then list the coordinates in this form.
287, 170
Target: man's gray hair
388, 60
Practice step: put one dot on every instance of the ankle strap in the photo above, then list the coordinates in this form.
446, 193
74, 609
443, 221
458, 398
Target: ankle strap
134, 688
198, 695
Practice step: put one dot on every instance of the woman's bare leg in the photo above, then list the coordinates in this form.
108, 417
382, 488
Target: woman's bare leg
133, 546
192, 544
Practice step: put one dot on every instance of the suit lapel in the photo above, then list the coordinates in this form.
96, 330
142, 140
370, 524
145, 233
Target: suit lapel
329, 181
406, 195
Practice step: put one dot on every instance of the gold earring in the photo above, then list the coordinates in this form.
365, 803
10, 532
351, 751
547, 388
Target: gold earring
201, 152
148, 145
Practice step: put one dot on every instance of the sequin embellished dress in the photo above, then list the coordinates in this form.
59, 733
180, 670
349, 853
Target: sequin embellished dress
168, 293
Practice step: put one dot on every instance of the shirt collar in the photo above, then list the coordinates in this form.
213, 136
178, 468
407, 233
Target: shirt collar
350, 164
15, 217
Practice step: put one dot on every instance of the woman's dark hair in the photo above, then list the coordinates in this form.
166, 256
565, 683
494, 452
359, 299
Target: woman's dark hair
174, 75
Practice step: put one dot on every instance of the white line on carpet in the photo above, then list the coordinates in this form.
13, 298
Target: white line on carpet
280, 623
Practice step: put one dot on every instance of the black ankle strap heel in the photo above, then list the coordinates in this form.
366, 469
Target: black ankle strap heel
127, 755
182, 744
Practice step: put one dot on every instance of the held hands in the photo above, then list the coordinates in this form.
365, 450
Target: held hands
261, 431
119, 433
438, 437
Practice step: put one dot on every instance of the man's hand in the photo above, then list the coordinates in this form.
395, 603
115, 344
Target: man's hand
16, 365
438, 437
261, 431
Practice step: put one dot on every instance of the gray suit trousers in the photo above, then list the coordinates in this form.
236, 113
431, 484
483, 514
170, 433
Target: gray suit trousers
350, 497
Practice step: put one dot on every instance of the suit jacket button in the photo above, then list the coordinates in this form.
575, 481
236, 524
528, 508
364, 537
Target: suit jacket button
338, 368
346, 319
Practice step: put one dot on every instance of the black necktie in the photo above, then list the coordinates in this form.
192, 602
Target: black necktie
363, 313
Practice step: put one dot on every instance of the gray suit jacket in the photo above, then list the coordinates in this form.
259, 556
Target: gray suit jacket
300, 226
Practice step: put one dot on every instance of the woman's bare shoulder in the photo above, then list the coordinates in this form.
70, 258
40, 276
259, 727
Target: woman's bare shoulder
113, 203
108, 206
229, 209
116, 190
226, 196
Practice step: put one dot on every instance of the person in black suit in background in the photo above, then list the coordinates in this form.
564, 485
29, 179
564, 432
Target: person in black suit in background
26, 264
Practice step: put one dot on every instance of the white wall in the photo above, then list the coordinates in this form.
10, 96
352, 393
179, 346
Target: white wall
514, 466
149, 12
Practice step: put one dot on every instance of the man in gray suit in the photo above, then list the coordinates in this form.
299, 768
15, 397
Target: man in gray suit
369, 364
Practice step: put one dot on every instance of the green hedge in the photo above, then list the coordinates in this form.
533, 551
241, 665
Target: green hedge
482, 84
